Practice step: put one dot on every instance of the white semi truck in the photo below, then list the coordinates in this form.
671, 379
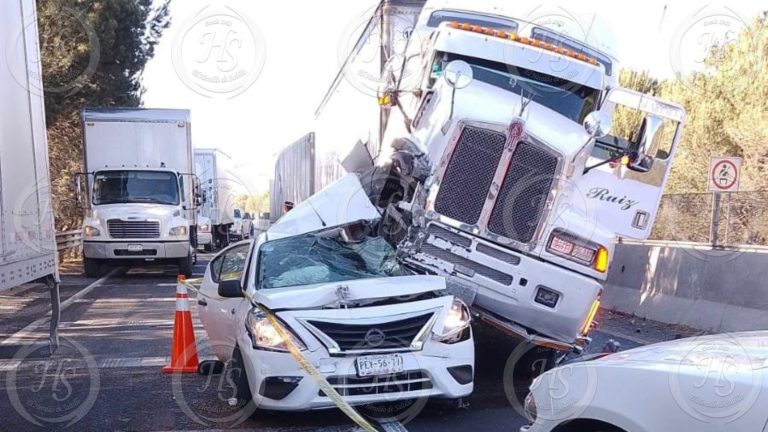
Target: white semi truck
217, 208
498, 168
141, 191
27, 238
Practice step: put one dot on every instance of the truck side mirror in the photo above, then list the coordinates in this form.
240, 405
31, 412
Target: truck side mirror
647, 142
78, 185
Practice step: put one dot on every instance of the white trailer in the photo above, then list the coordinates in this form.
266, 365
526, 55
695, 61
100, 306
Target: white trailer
218, 186
27, 238
141, 189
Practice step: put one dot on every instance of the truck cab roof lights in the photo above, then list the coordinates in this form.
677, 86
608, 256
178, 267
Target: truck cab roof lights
523, 40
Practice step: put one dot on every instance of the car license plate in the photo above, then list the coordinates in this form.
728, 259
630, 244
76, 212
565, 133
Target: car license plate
380, 365
135, 248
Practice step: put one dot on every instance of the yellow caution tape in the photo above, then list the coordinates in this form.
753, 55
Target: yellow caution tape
305, 364
316, 376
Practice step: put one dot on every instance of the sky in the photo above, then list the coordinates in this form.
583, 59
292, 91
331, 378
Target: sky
253, 72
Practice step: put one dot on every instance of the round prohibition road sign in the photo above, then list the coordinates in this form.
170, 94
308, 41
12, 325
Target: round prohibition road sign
724, 175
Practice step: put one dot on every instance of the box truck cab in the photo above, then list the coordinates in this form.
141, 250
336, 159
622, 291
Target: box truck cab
218, 185
140, 188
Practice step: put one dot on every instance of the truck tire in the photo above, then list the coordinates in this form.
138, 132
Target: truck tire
208, 247
185, 266
92, 267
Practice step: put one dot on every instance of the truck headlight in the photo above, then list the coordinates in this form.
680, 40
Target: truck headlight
204, 228
264, 336
579, 250
456, 323
90, 231
178, 231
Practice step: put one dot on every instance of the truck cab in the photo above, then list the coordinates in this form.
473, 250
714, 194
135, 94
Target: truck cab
140, 189
508, 178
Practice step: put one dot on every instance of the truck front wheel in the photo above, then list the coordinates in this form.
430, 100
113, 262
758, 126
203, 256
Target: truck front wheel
185, 266
92, 267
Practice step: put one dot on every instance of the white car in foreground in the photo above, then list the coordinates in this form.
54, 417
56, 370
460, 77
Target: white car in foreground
711, 383
377, 332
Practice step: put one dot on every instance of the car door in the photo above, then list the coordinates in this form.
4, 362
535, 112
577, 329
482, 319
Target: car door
217, 313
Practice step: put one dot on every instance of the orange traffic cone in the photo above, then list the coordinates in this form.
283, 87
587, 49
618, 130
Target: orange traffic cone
184, 349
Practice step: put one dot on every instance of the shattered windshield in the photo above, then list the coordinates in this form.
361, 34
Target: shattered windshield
331, 255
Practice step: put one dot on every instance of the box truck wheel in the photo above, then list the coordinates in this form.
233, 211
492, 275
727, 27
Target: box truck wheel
92, 267
185, 266
208, 247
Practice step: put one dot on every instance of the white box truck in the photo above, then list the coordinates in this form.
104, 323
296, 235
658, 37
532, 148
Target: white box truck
141, 189
27, 238
217, 208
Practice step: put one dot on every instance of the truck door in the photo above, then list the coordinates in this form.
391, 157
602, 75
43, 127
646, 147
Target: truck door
217, 313
615, 195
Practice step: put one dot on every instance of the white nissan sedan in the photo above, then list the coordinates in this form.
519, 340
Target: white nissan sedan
705, 384
373, 329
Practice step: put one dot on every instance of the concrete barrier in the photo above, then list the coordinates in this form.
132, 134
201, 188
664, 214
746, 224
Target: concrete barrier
691, 284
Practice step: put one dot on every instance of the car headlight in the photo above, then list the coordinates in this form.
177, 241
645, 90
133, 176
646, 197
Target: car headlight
90, 231
264, 336
457, 320
205, 228
530, 408
178, 231
579, 250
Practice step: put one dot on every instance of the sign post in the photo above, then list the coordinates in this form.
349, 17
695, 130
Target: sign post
724, 176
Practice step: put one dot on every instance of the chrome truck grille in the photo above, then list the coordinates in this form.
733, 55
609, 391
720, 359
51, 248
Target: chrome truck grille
495, 193
524, 193
393, 335
121, 229
464, 188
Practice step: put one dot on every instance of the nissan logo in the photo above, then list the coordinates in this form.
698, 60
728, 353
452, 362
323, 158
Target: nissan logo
374, 338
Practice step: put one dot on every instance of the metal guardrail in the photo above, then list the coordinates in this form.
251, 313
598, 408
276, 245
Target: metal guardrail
69, 240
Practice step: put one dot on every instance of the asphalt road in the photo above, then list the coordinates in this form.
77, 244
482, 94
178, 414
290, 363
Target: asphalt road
116, 335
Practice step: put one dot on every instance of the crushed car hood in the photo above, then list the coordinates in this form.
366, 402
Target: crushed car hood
350, 292
344, 201
748, 349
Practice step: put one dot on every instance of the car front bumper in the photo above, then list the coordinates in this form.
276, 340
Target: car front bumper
426, 375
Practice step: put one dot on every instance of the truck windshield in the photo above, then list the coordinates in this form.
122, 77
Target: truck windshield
327, 256
119, 187
567, 98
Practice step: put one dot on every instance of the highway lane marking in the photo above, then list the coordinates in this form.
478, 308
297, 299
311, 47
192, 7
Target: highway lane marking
28, 331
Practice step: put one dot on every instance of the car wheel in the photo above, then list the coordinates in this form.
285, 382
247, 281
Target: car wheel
92, 267
236, 367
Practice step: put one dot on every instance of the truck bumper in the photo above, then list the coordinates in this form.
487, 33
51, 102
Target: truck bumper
507, 283
204, 238
121, 250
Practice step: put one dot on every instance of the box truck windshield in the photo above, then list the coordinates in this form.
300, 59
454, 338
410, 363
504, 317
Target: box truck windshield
567, 98
119, 187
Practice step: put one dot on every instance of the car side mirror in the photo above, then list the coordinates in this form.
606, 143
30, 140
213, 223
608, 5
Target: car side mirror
647, 141
230, 289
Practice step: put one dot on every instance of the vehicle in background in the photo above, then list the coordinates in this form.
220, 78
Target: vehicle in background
218, 186
706, 384
401, 335
498, 170
242, 228
204, 233
140, 188
27, 237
